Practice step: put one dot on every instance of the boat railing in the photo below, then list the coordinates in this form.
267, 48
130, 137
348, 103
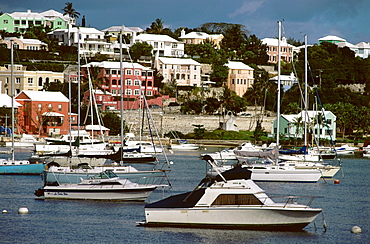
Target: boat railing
288, 201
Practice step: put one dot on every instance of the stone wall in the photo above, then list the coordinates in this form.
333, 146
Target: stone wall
169, 120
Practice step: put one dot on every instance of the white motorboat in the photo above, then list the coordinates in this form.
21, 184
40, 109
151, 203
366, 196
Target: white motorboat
230, 200
104, 186
64, 175
267, 168
345, 149
300, 157
182, 144
25, 140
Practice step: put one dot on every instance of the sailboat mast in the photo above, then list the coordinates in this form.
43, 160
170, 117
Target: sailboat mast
121, 80
305, 91
79, 86
12, 93
278, 89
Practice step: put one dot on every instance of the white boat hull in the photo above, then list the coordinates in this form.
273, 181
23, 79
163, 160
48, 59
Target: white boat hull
249, 217
97, 192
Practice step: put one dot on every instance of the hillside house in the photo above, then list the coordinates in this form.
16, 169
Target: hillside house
43, 113
163, 45
240, 77
321, 125
26, 80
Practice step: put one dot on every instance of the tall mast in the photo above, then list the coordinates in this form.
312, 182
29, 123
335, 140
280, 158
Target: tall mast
79, 86
12, 93
278, 89
305, 91
122, 91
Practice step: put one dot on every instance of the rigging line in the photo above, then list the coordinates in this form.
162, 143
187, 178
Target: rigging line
145, 101
322, 108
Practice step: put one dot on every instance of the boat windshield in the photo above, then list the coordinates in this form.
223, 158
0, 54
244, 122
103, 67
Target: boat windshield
104, 175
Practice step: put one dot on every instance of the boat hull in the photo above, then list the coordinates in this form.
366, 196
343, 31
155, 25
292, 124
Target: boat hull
90, 192
25, 169
259, 217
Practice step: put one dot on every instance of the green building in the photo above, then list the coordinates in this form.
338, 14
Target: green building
18, 22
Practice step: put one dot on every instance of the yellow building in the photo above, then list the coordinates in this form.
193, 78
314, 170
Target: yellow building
26, 80
240, 77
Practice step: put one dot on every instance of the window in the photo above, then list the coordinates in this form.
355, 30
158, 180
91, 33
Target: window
149, 93
236, 199
5, 21
128, 72
128, 92
59, 107
155, 44
59, 23
137, 83
38, 22
150, 83
128, 82
136, 92
16, 22
114, 72
195, 77
30, 80
50, 106
40, 107
328, 121
195, 67
24, 22
174, 45
137, 72
17, 80
114, 82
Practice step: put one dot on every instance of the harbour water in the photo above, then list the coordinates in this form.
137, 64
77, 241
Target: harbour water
62, 221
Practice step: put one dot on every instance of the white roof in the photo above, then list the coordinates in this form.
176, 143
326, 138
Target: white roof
6, 100
155, 37
332, 38
52, 114
26, 15
274, 42
118, 28
200, 35
284, 77
178, 61
347, 44
363, 45
27, 41
52, 13
96, 127
310, 113
238, 65
83, 30
115, 65
46, 96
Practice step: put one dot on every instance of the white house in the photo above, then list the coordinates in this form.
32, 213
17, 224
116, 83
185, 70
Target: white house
163, 45
186, 72
91, 41
363, 50
286, 81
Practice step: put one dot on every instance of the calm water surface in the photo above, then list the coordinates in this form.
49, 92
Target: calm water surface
62, 221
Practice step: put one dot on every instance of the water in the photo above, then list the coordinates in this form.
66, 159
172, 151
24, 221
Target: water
62, 221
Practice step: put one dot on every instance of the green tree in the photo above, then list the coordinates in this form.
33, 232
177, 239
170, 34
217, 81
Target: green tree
140, 49
113, 122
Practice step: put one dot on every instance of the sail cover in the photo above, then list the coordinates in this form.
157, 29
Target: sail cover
272, 154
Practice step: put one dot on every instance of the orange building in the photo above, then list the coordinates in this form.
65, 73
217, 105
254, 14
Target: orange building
43, 113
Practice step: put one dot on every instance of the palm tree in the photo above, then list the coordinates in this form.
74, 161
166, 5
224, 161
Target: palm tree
156, 27
69, 10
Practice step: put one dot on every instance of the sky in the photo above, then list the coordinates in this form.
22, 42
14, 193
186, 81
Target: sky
348, 19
